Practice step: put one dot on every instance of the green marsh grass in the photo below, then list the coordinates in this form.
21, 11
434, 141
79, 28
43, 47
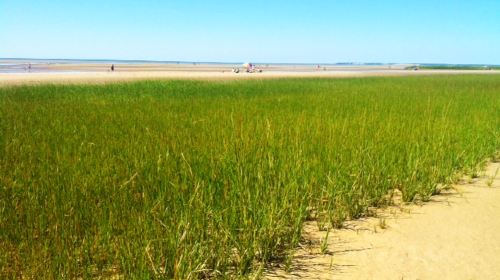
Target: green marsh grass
199, 179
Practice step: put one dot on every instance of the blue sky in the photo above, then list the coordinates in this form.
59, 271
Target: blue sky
437, 31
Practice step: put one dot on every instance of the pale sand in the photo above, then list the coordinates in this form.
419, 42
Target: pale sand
455, 236
99, 73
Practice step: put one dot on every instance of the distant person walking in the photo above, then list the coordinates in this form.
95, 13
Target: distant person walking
29, 67
112, 68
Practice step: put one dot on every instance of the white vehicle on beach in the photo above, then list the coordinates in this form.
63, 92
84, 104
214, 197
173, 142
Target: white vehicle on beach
248, 67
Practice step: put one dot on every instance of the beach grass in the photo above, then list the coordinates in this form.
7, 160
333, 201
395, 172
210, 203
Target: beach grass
214, 179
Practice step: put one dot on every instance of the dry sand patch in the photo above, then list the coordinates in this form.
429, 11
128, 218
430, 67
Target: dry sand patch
72, 74
454, 236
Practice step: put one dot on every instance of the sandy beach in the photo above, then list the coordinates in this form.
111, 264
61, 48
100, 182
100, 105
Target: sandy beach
454, 236
100, 72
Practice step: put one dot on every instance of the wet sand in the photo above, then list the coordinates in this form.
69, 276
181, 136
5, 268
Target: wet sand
454, 236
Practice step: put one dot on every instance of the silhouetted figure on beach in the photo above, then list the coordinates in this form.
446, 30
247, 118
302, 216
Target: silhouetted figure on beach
112, 67
29, 67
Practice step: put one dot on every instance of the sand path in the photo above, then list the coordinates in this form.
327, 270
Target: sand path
454, 236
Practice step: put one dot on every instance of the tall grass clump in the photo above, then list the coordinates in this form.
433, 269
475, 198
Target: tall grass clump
199, 179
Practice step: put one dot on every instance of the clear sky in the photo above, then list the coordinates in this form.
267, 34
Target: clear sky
425, 31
